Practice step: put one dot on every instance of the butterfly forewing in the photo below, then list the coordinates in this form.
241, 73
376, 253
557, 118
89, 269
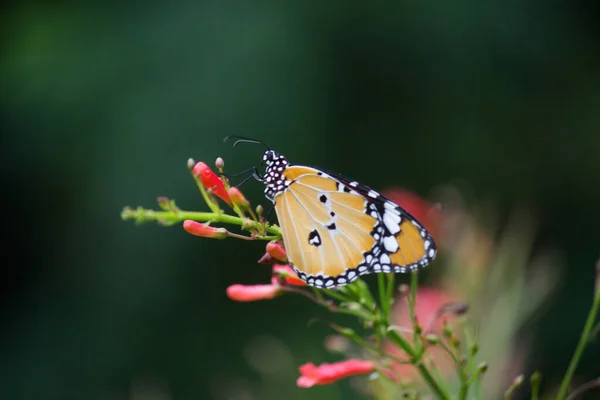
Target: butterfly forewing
325, 232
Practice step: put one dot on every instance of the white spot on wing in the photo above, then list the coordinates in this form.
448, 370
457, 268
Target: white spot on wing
384, 259
390, 244
392, 222
373, 194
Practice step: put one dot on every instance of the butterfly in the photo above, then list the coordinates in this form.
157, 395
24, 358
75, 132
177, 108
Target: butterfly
335, 229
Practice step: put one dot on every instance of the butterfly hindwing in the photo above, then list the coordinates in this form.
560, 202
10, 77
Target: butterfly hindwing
403, 239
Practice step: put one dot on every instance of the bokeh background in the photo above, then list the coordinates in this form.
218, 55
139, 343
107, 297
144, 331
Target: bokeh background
102, 104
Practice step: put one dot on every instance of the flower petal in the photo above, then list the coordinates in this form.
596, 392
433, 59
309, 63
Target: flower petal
211, 181
277, 251
253, 292
203, 230
288, 274
238, 198
328, 373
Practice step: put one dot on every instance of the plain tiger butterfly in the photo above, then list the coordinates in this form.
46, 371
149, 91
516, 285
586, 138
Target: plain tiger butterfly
335, 229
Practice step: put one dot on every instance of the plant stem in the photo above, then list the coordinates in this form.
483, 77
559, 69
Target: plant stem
412, 300
431, 381
399, 340
384, 305
212, 205
564, 387
536, 379
144, 215
390, 292
584, 388
464, 387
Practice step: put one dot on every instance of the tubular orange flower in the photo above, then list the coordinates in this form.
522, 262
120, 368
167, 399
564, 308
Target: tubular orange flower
203, 230
211, 181
288, 274
254, 292
238, 198
277, 251
328, 373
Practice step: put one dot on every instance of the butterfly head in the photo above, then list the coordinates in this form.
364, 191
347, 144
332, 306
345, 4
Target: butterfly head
274, 178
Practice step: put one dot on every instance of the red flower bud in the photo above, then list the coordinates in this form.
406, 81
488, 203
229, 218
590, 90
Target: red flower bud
211, 181
328, 373
289, 276
277, 251
253, 292
203, 230
238, 198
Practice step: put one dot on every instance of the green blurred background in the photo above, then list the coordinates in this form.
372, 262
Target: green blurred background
103, 103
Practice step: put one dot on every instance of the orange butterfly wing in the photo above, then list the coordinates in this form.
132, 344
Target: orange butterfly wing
336, 230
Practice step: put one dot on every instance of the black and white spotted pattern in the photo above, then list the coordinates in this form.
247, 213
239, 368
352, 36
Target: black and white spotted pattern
388, 215
274, 180
314, 239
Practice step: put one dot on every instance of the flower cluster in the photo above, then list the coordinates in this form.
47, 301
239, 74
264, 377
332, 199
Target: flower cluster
414, 339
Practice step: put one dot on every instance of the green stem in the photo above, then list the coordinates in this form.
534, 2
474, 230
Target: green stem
336, 295
462, 374
564, 387
145, 215
584, 388
390, 291
536, 379
412, 301
330, 307
384, 306
212, 205
464, 386
396, 337
481, 368
431, 381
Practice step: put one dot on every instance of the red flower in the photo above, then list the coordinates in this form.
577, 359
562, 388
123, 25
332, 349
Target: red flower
211, 181
425, 212
238, 198
288, 275
203, 230
277, 251
254, 292
328, 373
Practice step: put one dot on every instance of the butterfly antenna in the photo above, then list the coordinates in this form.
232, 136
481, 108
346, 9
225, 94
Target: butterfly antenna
241, 139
